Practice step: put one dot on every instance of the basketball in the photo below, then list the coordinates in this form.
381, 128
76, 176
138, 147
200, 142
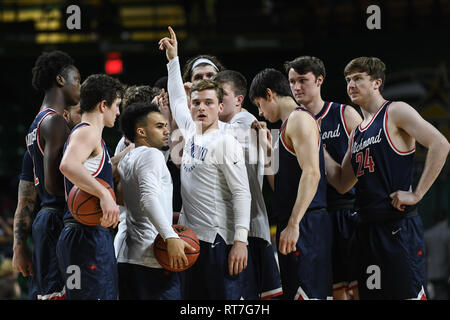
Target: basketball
185, 234
85, 207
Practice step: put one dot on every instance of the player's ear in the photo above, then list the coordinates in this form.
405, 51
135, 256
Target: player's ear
140, 132
377, 84
66, 115
220, 108
102, 106
240, 99
269, 94
60, 81
319, 80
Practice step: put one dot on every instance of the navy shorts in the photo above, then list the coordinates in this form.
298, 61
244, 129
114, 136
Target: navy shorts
209, 278
264, 268
137, 282
87, 261
344, 258
307, 272
391, 259
47, 279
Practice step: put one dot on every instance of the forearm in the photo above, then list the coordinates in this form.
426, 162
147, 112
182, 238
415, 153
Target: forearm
23, 216
155, 212
434, 162
81, 177
177, 96
306, 191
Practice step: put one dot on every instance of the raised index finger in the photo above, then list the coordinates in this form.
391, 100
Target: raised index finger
172, 34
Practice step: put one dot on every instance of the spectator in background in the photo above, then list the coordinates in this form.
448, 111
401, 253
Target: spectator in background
437, 244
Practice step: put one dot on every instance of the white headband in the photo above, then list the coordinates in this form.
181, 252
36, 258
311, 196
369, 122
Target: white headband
203, 60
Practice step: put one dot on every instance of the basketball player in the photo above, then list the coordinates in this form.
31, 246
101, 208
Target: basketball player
304, 229
27, 208
391, 255
55, 74
147, 192
201, 67
87, 253
306, 75
214, 186
131, 95
238, 123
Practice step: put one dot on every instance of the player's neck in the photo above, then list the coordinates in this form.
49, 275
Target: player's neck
54, 99
315, 106
95, 119
202, 129
287, 105
371, 105
229, 117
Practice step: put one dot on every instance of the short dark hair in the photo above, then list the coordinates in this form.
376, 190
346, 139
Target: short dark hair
373, 66
187, 70
161, 83
207, 85
133, 116
235, 79
143, 94
47, 66
305, 64
99, 87
269, 79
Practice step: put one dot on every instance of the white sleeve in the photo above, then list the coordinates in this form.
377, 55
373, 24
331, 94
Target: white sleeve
231, 160
177, 98
120, 146
149, 171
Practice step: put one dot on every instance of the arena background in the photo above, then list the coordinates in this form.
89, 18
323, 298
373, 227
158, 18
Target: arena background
246, 36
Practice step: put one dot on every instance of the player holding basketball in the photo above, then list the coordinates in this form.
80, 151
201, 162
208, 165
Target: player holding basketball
304, 231
238, 123
391, 256
147, 191
83, 251
306, 75
214, 186
55, 74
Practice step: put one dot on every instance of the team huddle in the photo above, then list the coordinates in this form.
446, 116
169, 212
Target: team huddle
347, 224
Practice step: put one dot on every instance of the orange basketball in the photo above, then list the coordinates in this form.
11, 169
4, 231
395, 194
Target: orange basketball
85, 207
186, 234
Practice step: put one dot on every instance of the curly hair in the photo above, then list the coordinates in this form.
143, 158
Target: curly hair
187, 71
144, 94
99, 87
47, 66
135, 114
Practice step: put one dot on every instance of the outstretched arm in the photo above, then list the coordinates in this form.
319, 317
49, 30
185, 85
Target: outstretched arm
177, 96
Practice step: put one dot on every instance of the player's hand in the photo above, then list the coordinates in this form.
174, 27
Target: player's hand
400, 199
111, 212
21, 261
288, 239
187, 87
237, 258
264, 139
169, 44
175, 250
162, 101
